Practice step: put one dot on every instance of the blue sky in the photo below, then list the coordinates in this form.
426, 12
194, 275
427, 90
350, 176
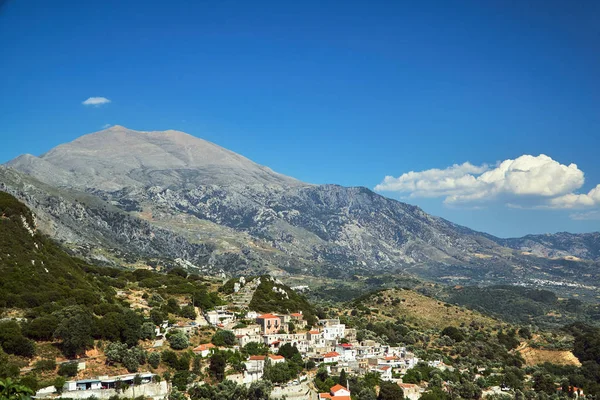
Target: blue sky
333, 92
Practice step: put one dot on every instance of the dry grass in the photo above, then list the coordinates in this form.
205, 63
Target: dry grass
423, 311
538, 356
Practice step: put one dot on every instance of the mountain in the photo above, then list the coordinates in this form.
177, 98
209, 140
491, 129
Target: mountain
119, 157
563, 244
151, 194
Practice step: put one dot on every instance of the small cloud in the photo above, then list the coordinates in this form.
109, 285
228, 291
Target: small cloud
105, 126
96, 101
586, 216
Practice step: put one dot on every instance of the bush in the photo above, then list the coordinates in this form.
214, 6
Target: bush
68, 369
147, 331
154, 359
453, 333
179, 341
45, 365
223, 338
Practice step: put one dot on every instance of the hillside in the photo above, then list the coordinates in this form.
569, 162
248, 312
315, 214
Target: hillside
418, 310
30, 260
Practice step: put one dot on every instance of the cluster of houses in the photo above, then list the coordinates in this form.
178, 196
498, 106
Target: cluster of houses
330, 344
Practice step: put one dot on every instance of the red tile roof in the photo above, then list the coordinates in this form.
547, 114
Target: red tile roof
331, 354
337, 388
267, 316
276, 357
203, 347
407, 385
256, 358
296, 314
314, 332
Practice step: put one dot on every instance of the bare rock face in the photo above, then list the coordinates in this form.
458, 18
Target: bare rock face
119, 157
169, 193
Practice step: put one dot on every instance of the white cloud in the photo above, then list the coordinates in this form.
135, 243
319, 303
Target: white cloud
95, 101
586, 216
572, 200
105, 126
532, 181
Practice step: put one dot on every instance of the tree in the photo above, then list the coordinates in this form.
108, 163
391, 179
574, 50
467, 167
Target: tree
453, 333
413, 375
343, 378
217, 366
543, 383
256, 349
10, 390
154, 359
59, 384
179, 341
130, 361
13, 341
68, 369
188, 312
157, 317
147, 331
259, 390
223, 338
41, 328
390, 391
367, 394
8, 369
371, 379
74, 329
115, 351
288, 351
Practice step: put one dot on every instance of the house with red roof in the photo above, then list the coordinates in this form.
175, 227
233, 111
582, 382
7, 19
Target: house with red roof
204, 349
411, 391
346, 351
270, 323
337, 392
332, 356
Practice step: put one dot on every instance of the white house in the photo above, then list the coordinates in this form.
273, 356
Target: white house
331, 357
334, 332
346, 351
204, 349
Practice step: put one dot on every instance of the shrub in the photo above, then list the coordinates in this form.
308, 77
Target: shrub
223, 338
45, 365
68, 369
179, 341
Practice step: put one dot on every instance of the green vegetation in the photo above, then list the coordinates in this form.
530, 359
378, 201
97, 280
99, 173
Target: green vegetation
523, 305
223, 338
229, 390
282, 299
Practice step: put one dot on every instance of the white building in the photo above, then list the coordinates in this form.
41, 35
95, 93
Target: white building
219, 317
334, 332
346, 351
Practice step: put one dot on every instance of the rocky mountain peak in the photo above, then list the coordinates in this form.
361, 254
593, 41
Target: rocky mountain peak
119, 157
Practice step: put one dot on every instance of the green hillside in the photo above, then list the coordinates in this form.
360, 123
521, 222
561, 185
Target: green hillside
35, 271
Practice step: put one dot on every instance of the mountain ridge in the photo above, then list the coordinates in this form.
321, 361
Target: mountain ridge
206, 195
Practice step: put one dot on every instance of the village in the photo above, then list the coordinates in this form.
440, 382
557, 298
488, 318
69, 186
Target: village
330, 345
262, 344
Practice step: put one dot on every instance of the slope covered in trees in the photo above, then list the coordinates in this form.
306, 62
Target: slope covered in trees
37, 272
